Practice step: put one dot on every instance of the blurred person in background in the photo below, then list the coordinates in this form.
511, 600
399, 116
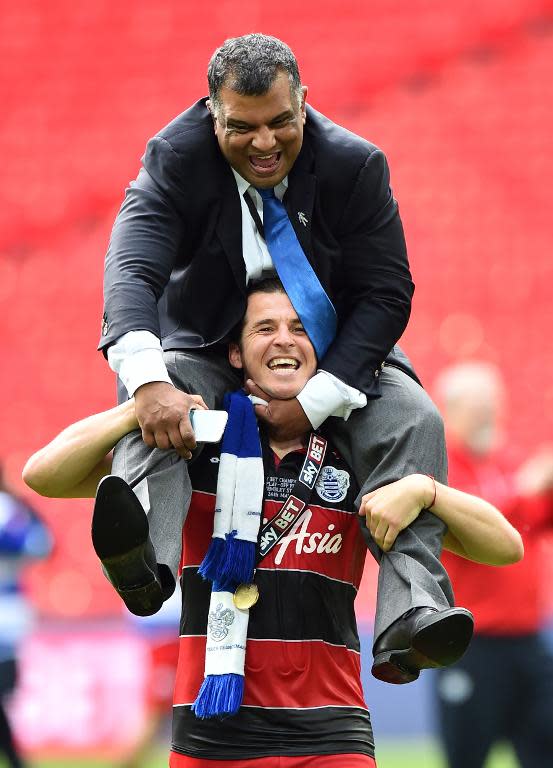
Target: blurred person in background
502, 689
248, 183
161, 634
289, 673
23, 538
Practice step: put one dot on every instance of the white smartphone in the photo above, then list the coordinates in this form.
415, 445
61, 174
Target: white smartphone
208, 426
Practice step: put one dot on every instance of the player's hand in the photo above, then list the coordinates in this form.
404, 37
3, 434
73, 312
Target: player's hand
163, 411
285, 419
390, 509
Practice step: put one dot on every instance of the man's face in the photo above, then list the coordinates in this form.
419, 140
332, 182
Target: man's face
261, 136
476, 420
274, 351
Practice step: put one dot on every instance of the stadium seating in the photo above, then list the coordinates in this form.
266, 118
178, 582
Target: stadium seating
458, 95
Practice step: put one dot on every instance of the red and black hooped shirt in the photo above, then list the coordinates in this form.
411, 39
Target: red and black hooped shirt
303, 693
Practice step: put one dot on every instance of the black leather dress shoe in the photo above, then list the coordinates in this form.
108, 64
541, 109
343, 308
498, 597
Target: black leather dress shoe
120, 536
420, 639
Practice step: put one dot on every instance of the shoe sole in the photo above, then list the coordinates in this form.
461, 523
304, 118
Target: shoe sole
120, 537
442, 642
119, 524
389, 667
444, 639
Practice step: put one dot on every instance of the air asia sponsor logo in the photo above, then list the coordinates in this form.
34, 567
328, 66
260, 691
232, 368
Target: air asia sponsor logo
309, 542
313, 461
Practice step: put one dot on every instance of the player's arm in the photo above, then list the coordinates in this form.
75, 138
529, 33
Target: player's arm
476, 529
74, 462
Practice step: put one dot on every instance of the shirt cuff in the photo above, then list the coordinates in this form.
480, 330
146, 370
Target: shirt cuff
137, 358
324, 395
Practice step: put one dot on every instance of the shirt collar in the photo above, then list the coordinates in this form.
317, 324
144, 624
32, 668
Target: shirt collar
244, 186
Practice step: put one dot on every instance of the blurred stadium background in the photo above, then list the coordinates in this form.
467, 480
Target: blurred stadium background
459, 95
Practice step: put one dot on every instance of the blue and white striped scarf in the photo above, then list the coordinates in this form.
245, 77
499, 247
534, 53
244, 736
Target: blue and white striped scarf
230, 559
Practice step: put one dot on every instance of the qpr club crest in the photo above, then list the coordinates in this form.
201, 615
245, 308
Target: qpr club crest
219, 621
332, 484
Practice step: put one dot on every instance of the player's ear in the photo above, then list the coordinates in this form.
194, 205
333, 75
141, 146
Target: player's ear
234, 355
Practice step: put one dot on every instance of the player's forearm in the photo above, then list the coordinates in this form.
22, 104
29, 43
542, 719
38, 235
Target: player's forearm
476, 529
74, 461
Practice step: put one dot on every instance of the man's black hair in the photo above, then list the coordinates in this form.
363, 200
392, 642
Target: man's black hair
249, 65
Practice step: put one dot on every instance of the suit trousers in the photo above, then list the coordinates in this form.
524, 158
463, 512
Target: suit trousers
394, 435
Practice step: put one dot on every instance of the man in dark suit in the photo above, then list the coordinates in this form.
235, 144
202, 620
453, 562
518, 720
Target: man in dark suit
187, 241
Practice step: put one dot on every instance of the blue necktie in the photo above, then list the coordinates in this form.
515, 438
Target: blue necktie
307, 295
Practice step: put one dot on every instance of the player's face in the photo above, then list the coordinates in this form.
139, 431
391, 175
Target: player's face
261, 136
274, 349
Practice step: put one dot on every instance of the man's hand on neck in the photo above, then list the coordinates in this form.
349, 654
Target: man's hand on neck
285, 420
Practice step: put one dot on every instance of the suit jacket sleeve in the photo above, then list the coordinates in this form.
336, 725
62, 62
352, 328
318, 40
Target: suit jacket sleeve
377, 288
146, 237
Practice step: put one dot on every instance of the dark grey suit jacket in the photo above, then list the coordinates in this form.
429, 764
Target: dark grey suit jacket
174, 265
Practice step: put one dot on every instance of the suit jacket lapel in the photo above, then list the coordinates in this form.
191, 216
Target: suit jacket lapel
229, 226
299, 199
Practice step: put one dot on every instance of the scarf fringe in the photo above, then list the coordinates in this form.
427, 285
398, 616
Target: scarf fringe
219, 696
211, 565
238, 560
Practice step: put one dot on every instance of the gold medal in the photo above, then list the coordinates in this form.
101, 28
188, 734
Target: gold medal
245, 596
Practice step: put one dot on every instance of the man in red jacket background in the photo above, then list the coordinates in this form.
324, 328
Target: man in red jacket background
503, 687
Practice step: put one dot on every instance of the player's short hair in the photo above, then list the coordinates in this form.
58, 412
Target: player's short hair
266, 285
249, 65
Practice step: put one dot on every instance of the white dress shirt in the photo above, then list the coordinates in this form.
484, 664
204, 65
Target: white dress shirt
137, 356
